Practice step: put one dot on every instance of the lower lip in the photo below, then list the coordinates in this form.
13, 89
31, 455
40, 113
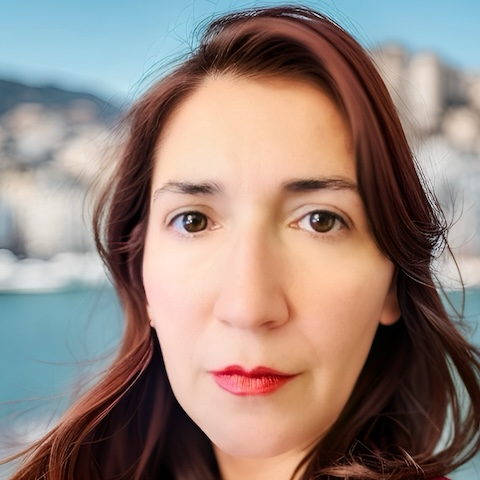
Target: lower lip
243, 385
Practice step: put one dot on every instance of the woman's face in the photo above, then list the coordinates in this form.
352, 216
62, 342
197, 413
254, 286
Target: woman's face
263, 281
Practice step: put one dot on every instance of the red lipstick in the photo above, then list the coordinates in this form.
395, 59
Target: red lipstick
259, 381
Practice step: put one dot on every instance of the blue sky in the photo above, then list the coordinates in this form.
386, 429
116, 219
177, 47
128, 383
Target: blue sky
108, 46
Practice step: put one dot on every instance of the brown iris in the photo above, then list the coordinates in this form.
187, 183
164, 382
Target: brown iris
322, 222
194, 222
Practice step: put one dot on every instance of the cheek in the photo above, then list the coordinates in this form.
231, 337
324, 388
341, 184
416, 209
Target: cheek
175, 333
343, 312
173, 313
178, 312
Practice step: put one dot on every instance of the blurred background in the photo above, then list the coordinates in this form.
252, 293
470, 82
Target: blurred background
67, 72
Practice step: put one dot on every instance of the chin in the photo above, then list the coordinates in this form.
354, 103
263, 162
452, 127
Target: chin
247, 449
261, 444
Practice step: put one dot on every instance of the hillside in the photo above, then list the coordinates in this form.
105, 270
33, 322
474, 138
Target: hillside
51, 97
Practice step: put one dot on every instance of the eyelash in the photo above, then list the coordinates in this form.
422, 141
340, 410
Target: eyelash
179, 229
339, 222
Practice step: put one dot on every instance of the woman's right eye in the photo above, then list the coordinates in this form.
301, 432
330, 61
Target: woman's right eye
189, 222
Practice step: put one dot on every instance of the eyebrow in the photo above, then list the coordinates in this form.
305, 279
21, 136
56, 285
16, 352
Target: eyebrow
189, 188
294, 186
312, 184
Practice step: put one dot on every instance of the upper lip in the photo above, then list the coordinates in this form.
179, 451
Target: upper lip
253, 373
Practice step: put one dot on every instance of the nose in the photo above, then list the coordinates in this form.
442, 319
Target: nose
251, 292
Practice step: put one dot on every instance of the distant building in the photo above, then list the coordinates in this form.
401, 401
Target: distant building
49, 155
440, 109
424, 88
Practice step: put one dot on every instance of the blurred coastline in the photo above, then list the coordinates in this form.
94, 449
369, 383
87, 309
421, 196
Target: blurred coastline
53, 145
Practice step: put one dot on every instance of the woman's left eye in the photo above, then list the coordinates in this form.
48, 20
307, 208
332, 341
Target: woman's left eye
321, 221
189, 222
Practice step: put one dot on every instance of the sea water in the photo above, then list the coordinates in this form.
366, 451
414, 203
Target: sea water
51, 343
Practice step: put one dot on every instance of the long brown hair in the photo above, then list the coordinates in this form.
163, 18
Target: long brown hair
415, 410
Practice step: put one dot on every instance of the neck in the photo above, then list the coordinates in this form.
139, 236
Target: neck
280, 467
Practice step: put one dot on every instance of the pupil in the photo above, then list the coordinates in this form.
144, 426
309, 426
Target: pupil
194, 222
322, 221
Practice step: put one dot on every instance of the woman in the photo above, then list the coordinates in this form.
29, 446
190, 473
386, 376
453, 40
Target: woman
271, 243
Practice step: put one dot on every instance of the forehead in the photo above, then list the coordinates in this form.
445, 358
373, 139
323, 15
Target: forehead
287, 127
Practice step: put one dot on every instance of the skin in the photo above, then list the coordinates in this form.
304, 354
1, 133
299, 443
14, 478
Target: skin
259, 283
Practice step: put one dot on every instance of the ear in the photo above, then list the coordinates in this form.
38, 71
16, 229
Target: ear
391, 310
147, 305
149, 313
